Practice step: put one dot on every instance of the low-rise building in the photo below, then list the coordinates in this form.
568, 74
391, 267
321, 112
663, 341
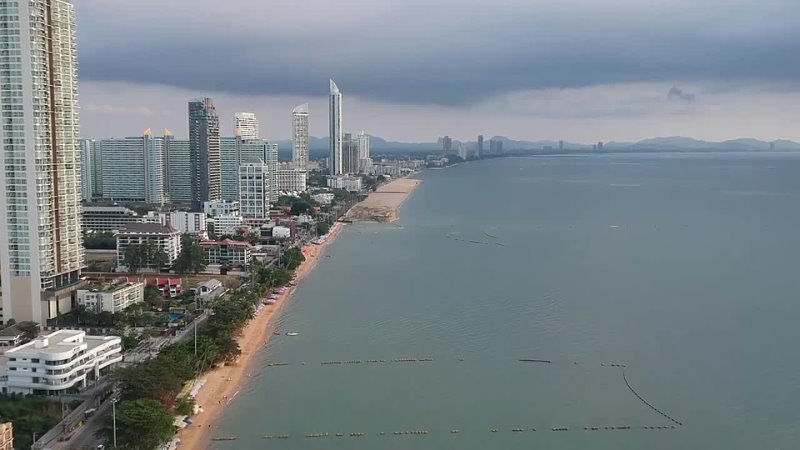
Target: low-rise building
227, 252
209, 290
281, 232
348, 183
227, 224
107, 218
221, 208
165, 237
59, 362
111, 297
169, 287
323, 198
11, 336
183, 221
290, 180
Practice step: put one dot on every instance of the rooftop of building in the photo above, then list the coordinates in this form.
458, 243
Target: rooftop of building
61, 341
11, 331
210, 284
109, 209
152, 228
226, 243
111, 286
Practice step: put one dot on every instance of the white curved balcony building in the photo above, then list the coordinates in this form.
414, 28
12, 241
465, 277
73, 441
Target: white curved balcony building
60, 361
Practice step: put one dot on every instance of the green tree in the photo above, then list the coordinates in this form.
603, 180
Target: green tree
292, 258
192, 257
30, 329
322, 228
185, 405
133, 257
300, 207
146, 254
141, 425
153, 296
254, 237
156, 256
100, 241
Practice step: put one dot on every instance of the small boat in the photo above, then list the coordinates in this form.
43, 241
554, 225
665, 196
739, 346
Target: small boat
276, 333
292, 333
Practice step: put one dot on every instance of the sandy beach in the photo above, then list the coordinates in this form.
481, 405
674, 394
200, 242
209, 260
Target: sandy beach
383, 204
221, 385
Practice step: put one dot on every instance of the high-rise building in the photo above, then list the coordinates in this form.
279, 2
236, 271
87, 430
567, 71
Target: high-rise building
495, 146
349, 154
88, 154
133, 169
236, 152
335, 122
254, 191
300, 136
364, 160
480, 145
177, 168
245, 126
560, 145
204, 148
272, 167
447, 145
41, 254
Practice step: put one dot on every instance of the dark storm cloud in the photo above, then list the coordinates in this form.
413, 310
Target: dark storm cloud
448, 53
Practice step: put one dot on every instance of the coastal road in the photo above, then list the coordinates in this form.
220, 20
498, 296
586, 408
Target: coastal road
84, 437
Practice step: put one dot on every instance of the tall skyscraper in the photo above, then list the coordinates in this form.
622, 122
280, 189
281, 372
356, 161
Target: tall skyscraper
133, 169
480, 145
245, 126
300, 136
204, 147
335, 122
177, 168
41, 254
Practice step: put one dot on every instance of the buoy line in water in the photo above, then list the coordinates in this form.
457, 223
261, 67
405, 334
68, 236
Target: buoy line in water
624, 377
454, 432
472, 241
526, 360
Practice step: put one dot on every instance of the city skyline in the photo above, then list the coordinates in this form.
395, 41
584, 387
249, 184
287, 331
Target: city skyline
710, 70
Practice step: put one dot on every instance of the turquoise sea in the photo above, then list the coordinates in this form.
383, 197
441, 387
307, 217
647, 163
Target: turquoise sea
683, 268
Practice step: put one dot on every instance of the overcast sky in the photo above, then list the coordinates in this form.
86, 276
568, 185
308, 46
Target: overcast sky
412, 70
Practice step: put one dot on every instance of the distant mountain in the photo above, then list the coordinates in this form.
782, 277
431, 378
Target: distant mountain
672, 143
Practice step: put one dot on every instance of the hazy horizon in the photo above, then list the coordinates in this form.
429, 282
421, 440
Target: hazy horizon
581, 72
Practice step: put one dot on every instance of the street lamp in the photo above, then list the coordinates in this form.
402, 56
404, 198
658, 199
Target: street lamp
114, 419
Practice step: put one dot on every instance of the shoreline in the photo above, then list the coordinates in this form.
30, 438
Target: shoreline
384, 204
221, 385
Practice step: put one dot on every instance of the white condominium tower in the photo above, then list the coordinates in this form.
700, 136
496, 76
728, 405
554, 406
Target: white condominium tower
41, 254
335, 117
300, 136
245, 126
